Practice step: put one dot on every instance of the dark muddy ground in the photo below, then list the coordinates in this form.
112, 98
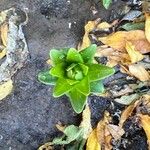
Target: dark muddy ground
28, 116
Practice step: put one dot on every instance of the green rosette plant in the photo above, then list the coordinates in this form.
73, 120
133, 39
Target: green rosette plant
74, 74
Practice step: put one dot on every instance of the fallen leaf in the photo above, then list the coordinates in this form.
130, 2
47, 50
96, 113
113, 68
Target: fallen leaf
5, 89
127, 113
147, 26
127, 100
145, 123
134, 55
92, 142
88, 28
116, 131
139, 72
133, 26
103, 25
4, 34
118, 40
2, 53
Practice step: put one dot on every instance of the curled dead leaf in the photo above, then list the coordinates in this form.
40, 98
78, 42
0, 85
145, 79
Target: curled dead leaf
4, 33
145, 123
88, 28
5, 89
139, 72
127, 113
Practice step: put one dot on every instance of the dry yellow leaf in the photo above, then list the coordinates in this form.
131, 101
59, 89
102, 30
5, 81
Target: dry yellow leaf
4, 34
139, 72
147, 26
5, 89
127, 113
88, 28
145, 122
103, 25
3, 53
92, 142
134, 55
118, 40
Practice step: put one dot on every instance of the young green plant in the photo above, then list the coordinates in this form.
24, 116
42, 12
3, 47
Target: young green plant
74, 74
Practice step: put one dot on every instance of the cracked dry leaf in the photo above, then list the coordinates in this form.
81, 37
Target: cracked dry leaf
4, 33
145, 123
147, 26
139, 72
134, 55
5, 89
118, 40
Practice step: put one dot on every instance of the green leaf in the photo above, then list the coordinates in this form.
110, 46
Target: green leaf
61, 87
74, 56
133, 26
88, 53
72, 82
71, 133
46, 78
83, 86
127, 100
99, 72
97, 87
106, 3
84, 68
78, 100
58, 70
57, 56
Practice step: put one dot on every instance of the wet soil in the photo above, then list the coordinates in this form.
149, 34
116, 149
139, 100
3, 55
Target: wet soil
28, 116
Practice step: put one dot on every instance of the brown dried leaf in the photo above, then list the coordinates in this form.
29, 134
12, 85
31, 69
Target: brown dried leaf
147, 26
134, 55
127, 113
145, 123
88, 28
4, 34
139, 72
116, 131
118, 40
